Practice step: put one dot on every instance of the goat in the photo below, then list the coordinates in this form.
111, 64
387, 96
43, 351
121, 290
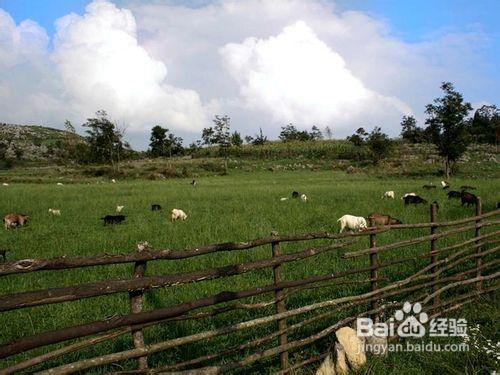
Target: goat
177, 214
11, 220
354, 223
113, 219
379, 219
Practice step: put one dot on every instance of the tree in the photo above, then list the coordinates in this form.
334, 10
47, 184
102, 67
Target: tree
315, 134
379, 144
259, 139
485, 125
410, 132
104, 138
236, 139
447, 125
221, 135
358, 138
158, 141
291, 133
248, 139
207, 135
164, 143
328, 132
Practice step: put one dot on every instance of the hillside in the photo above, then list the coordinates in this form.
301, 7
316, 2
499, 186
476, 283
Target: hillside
32, 143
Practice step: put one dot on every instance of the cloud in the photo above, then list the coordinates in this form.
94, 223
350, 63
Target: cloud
264, 63
297, 78
102, 65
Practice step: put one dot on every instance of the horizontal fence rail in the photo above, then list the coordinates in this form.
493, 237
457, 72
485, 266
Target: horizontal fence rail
446, 276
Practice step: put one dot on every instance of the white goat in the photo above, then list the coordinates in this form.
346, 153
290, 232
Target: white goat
5, 184
60, 184
119, 208
388, 194
177, 214
354, 223
283, 199
55, 212
303, 198
113, 181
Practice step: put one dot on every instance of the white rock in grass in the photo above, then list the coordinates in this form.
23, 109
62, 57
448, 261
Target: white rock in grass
353, 347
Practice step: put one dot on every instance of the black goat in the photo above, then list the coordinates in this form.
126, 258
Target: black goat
113, 219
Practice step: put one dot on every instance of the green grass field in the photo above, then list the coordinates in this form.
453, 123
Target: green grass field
237, 207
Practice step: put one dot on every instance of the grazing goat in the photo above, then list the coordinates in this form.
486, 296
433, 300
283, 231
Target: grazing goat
193, 183
414, 199
119, 208
467, 187
445, 184
113, 219
468, 198
177, 214
379, 219
303, 198
155, 207
428, 187
388, 194
5, 184
295, 194
113, 181
409, 195
11, 220
60, 184
454, 194
55, 212
353, 223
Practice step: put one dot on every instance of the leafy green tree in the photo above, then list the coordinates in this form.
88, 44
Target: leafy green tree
158, 145
207, 136
104, 139
236, 139
379, 144
291, 133
485, 125
163, 143
259, 139
410, 132
447, 125
328, 132
315, 134
358, 138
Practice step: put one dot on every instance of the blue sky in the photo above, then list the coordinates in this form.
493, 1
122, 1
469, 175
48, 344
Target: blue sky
410, 20
178, 63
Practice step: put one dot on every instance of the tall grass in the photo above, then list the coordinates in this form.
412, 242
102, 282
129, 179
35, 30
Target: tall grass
220, 208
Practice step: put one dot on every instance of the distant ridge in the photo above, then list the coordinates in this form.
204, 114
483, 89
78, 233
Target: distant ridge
32, 142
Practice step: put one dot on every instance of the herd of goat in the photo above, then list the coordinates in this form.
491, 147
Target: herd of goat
350, 222
358, 223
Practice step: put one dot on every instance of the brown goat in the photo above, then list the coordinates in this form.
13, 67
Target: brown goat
379, 219
15, 219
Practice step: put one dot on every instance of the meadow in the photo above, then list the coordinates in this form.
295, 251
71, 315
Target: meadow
236, 207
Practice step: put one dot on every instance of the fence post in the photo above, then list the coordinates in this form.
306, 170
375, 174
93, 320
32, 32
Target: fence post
135, 299
479, 260
434, 256
374, 272
280, 305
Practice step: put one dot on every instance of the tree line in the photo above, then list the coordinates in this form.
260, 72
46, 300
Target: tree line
447, 125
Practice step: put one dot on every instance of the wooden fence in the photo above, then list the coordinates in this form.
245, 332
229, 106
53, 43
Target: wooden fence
441, 278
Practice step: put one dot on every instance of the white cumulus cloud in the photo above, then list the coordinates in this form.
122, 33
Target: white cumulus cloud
102, 65
298, 78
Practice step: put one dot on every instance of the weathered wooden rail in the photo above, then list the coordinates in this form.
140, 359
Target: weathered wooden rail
468, 265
